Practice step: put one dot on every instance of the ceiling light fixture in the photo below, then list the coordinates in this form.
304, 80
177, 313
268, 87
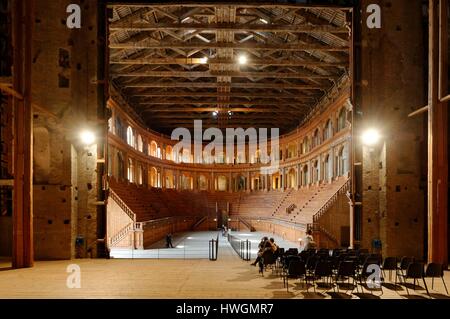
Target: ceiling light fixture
87, 137
242, 59
371, 137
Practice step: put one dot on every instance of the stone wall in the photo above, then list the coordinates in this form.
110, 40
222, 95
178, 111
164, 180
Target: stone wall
391, 87
64, 79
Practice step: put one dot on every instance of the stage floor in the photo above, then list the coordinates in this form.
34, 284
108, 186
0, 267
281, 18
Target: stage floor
227, 278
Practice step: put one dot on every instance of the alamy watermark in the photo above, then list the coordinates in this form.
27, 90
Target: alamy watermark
222, 149
74, 278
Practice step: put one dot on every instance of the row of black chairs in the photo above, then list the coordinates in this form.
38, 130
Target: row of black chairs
334, 267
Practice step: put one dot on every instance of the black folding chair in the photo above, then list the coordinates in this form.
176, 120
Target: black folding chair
345, 272
296, 270
404, 263
435, 270
267, 259
311, 264
415, 271
322, 271
390, 264
365, 273
288, 260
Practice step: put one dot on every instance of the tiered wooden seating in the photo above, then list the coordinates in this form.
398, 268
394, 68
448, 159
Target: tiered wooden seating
312, 200
259, 203
156, 203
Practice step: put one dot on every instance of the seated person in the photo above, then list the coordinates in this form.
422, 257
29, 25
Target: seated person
264, 245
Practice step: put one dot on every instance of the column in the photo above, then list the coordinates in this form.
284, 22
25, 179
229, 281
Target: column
437, 143
163, 178
309, 175
22, 27
319, 169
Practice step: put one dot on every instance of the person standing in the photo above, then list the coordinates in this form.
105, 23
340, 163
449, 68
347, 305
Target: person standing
309, 242
169, 241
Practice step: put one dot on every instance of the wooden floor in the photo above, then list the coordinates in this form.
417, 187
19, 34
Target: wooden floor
227, 278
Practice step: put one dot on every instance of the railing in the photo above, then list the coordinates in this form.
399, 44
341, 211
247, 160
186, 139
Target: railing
242, 247
277, 221
331, 202
121, 234
317, 228
213, 248
201, 220
247, 224
122, 205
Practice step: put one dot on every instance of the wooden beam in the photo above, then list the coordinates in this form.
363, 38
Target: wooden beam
8, 90
235, 27
227, 45
419, 111
252, 61
212, 109
209, 102
237, 4
208, 116
232, 85
293, 97
6, 182
210, 74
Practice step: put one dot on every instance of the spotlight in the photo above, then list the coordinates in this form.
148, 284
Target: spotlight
370, 137
242, 59
204, 60
215, 113
87, 137
230, 113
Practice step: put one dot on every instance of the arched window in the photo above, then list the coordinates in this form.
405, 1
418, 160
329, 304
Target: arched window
222, 183
305, 145
241, 158
153, 177
341, 162
328, 131
153, 149
140, 144
139, 175
305, 178
202, 183
110, 125
315, 172
342, 119
326, 168
130, 136
316, 138
186, 156
169, 153
130, 170
119, 129
120, 167
158, 152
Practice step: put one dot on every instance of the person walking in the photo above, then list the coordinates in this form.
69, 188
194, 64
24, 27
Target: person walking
169, 241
